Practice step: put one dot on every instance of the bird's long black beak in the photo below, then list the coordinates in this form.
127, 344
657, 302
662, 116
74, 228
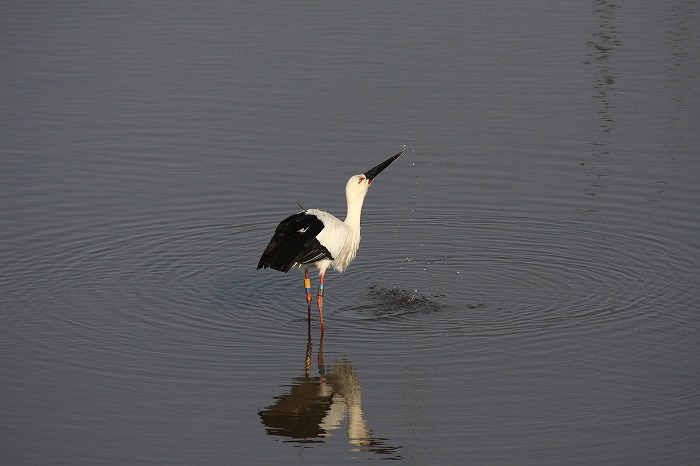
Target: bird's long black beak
372, 172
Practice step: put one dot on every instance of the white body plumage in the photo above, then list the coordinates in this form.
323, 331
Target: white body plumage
341, 239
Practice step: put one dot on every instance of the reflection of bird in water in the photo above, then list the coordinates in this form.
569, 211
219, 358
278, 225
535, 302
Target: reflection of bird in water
316, 406
346, 399
313, 408
316, 238
298, 414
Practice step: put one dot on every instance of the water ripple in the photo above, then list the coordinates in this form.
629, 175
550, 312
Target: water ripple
519, 275
195, 287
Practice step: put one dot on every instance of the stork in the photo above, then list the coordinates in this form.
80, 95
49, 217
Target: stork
315, 238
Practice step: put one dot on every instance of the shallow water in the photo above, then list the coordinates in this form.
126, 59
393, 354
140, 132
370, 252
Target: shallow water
526, 290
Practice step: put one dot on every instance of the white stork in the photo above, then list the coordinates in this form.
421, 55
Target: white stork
316, 238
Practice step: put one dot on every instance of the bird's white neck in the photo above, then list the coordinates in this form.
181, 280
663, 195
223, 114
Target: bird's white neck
352, 219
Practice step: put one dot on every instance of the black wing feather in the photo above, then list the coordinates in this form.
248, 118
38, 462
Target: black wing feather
294, 242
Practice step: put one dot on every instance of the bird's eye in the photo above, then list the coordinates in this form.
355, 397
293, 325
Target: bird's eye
361, 179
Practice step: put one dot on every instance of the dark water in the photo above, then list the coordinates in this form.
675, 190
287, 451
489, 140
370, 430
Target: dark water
526, 290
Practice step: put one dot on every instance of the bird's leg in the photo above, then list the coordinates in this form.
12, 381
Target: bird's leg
307, 286
320, 300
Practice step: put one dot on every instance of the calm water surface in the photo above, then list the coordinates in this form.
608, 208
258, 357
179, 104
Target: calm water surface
526, 290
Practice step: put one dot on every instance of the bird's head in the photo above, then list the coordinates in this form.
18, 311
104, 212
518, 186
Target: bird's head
356, 189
